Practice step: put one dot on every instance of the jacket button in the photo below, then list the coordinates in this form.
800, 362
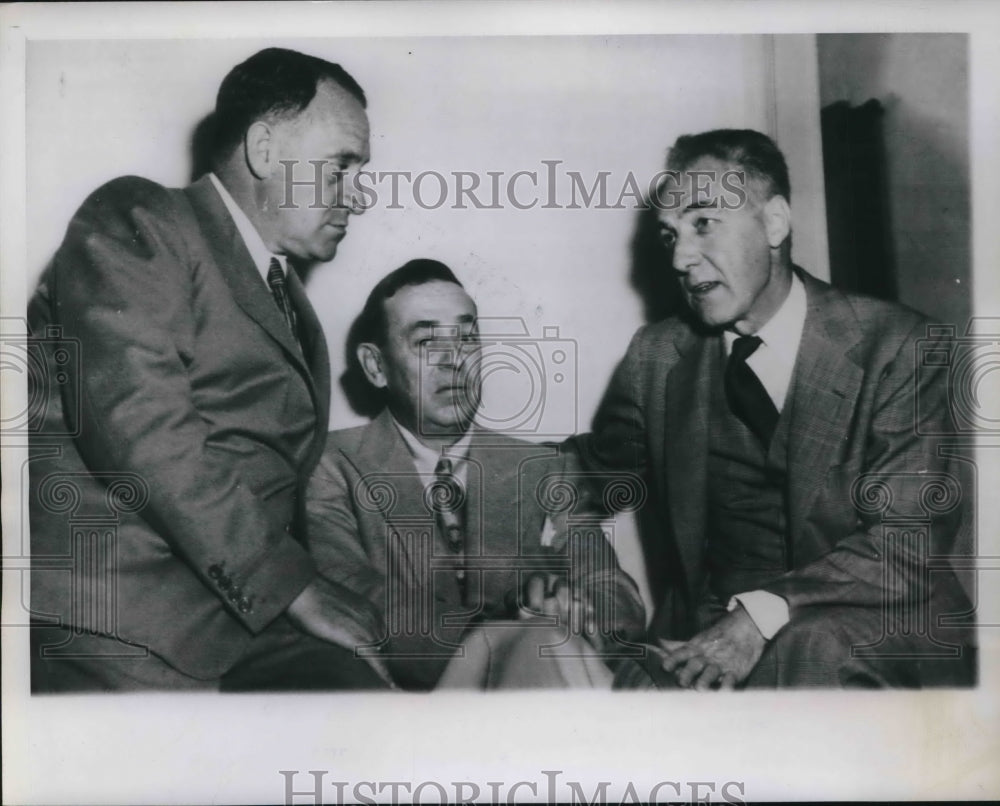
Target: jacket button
215, 571
244, 606
288, 528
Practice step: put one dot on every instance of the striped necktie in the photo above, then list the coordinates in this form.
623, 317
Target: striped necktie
276, 281
449, 507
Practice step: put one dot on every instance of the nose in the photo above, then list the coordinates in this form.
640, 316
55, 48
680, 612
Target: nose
686, 255
354, 199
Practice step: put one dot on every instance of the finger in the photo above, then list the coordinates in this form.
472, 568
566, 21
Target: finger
687, 673
534, 591
708, 676
669, 646
562, 601
550, 607
679, 655
727, 682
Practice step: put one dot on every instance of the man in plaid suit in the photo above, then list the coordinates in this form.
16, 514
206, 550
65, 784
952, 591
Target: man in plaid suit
804, 519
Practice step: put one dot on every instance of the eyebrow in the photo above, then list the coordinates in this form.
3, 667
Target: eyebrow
712, 205
347, 155
428, 324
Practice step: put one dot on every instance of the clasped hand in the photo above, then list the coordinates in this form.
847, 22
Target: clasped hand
717, 658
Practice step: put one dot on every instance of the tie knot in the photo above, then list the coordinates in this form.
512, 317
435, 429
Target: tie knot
744, 347
275, 276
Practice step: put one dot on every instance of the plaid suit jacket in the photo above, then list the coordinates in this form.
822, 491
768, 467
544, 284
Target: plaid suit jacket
858, 464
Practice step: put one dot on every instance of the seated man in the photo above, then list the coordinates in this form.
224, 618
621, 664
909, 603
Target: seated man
443, 525
806, 506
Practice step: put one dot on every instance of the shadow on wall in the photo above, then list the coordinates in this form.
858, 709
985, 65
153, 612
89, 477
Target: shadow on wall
651, 275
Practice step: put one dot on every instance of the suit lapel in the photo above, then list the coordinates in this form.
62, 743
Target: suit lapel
237, 267
825, 387
494, 508
382, 458
688, 386
314, 347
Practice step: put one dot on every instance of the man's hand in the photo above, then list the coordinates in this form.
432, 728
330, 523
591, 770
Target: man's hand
333, 613
546, 594
721, 656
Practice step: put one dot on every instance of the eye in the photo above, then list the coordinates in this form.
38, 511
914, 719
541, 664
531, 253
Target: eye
668, 238
705, 225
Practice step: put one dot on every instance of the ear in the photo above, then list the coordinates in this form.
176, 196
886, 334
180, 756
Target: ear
260, 149
370, 359
777, 220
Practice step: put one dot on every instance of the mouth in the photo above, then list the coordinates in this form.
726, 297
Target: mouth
701, 289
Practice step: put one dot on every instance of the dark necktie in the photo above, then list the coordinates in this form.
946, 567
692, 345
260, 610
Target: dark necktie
276, 281
448, 501
746, 395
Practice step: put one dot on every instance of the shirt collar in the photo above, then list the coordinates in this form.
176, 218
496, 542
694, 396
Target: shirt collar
783, 331
426, 458
259, 252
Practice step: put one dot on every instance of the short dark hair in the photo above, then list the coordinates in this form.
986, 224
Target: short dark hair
755, 153
372, 325
274, 82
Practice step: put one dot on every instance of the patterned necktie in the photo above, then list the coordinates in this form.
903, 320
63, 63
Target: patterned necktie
746, 395
448, 501
276, 281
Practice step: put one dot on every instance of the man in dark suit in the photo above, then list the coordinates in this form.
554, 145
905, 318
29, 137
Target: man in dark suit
445, 526
805, 516
166, 473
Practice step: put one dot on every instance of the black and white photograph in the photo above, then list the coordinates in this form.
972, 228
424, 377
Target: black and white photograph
448, 403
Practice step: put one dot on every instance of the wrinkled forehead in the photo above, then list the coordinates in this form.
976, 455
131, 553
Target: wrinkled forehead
707, 183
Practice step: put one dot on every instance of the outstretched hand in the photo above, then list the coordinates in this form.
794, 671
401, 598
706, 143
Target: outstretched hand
720, 657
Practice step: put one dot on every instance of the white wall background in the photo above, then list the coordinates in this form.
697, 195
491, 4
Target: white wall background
96, 110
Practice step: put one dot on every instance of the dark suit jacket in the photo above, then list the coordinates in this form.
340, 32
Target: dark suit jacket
366, 497
856, 457
187, 428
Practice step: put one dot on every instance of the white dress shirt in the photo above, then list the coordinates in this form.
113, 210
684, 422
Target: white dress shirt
773, 362
425, 460
260, 254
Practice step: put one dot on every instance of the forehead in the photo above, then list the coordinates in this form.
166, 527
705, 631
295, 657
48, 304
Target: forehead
334, 121
436, 302
707, 182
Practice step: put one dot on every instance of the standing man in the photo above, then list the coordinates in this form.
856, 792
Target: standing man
444, 526
777, 427
197, 409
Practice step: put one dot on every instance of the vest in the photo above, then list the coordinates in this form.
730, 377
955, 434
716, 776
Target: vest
747, 533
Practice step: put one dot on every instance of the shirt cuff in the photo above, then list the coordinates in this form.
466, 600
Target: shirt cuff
768, 611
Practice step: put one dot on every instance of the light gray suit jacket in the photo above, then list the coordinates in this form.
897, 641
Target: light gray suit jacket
366, 507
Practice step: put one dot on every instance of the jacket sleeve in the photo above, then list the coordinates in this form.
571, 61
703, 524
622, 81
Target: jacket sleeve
909, 501
123, 286
596, 576
617, 441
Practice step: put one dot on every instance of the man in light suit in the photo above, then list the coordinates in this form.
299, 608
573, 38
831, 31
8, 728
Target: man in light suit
805, 515
445, 526
167, 469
